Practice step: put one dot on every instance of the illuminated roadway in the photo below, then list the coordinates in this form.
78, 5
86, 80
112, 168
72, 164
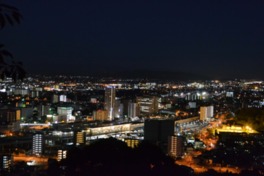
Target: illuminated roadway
35, 160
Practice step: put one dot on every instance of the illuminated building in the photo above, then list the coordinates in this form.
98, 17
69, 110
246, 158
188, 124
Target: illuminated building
94, 100
100, 115
63, 98
67, 112
192, 105
110, 94
132, 142
119, 109
38, 144
175, 146
230, 94
34, 93
7, 161
62, 154
112, 129
191, 96
133, 110
79, 138
206, 112
235, 129
21, 92
148, 104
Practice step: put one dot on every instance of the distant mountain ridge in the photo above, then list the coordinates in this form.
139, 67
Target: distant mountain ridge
152, 74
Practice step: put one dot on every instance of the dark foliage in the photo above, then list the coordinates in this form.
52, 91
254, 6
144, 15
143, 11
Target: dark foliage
9, 15
113, 157
14, 69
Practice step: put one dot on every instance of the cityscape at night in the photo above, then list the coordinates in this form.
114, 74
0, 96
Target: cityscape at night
120, 88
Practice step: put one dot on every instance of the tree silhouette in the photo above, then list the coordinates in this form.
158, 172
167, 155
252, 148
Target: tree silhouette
113, 157
14, 69
9, 15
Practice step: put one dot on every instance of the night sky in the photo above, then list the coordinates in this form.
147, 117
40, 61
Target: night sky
219, 38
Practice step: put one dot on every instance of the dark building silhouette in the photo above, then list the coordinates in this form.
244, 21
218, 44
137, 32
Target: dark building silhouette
158, 131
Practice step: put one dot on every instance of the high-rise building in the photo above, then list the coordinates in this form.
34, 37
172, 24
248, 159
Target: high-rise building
133, 110
100, 115
175, 146
158, 131
148, 104
118, 109
38, 144
79, 138
110, 94
206, 112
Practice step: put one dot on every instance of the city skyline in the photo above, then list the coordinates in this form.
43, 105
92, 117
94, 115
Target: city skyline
215, 39
61, 123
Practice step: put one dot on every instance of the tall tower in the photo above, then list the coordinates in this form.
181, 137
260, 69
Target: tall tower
158, 131
206, 112
110, 101
133, 110
175, 146
37, 144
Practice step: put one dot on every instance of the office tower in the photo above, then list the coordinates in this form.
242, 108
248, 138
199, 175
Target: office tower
110, 101
158, 131
206, 112
133, 110
79, 138
175, 146
100, 115
210, 111
38, 144
118, 109
148, 104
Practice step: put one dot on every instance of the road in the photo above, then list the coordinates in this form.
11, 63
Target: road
35, 160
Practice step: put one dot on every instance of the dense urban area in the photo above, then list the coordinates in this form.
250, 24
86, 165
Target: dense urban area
80, 125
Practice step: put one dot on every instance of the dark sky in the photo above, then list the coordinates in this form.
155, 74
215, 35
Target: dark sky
220, 38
